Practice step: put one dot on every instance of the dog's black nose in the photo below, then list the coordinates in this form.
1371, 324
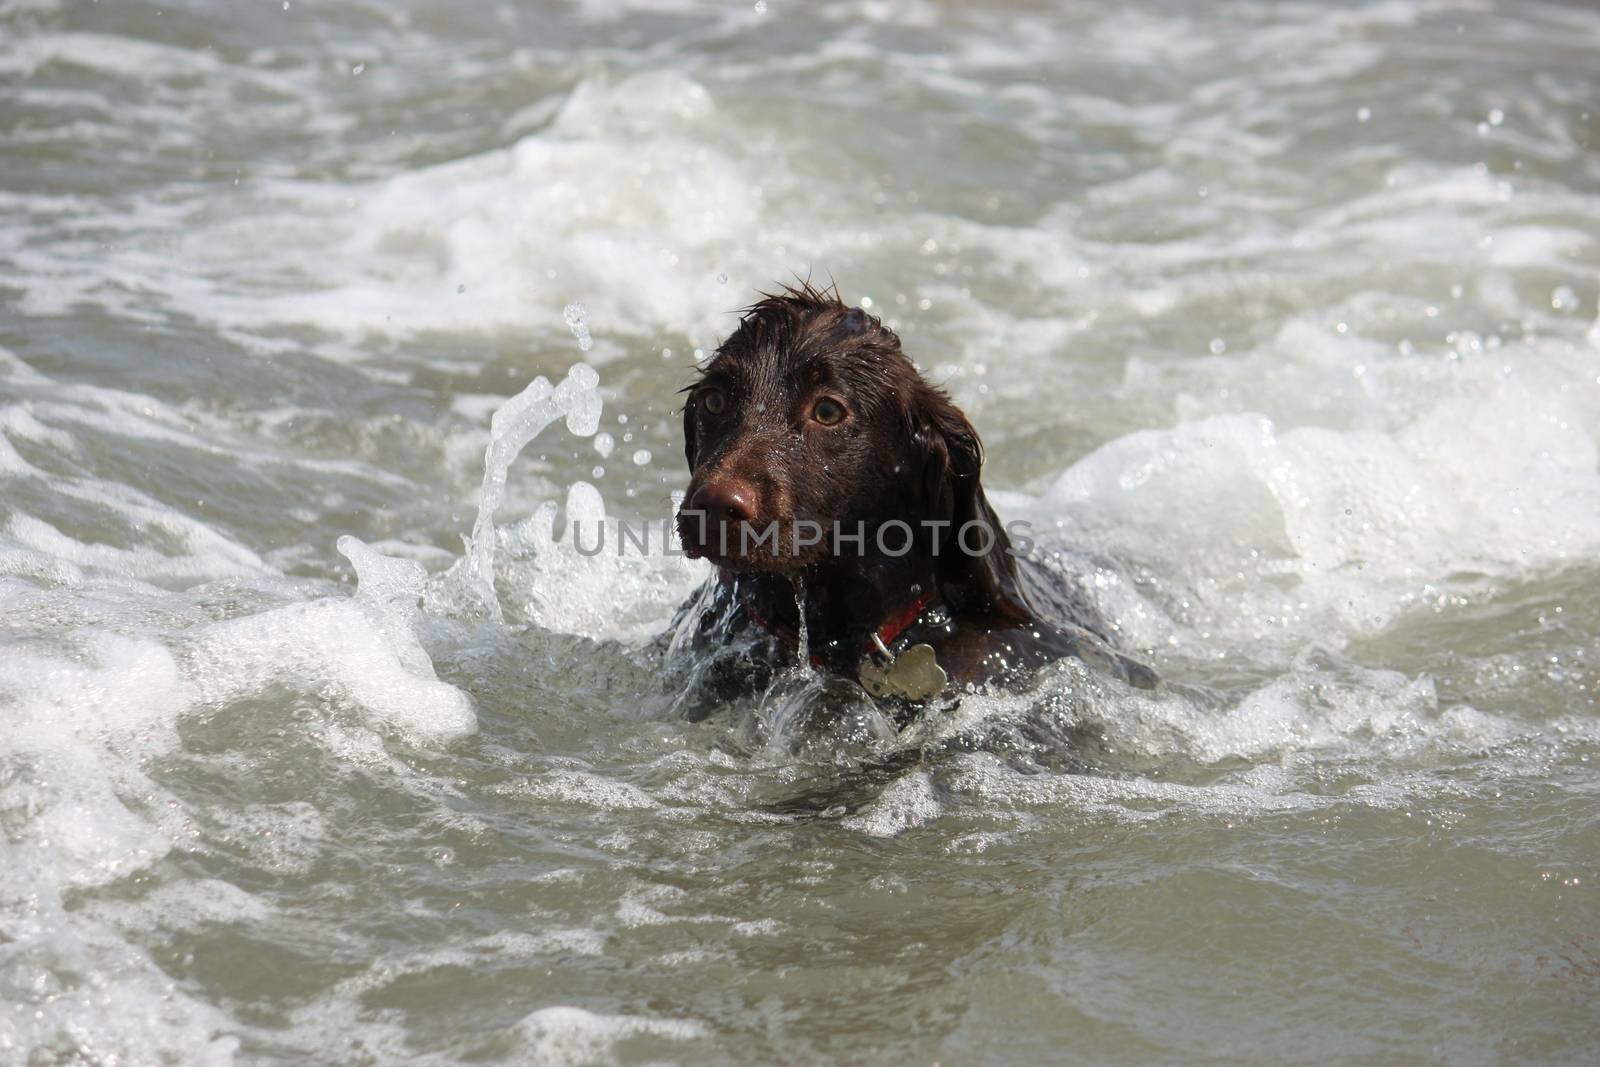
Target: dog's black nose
725, 500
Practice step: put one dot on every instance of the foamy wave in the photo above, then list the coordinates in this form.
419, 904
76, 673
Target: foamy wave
1325, 534
623, 193
569, 1035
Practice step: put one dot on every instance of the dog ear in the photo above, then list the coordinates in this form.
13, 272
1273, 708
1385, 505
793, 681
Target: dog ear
978, 572
691, 446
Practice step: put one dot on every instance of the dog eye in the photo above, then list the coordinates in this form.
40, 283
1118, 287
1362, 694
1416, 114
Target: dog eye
828, 412
715, 401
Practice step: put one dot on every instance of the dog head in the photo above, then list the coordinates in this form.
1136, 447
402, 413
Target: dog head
810, 422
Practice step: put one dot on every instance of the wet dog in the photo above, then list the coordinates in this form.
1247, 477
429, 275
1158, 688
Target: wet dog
839, 496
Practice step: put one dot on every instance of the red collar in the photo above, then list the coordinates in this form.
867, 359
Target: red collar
886, 634
898, 624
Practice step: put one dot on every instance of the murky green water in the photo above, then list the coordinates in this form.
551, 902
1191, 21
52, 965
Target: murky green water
1280, 318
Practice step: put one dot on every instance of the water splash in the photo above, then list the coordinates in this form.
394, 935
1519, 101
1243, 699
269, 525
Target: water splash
802, 638
389, 591
515, 423
576, 316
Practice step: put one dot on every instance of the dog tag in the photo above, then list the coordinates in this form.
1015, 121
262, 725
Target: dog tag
915, 674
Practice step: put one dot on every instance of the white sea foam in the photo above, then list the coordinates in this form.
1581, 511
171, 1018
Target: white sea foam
79, 728
391, 590
1287, 380
909, 802
627, 222
338, 1009
85, 723
83, 813
119, 55
327, 643
578, 787
571, 1035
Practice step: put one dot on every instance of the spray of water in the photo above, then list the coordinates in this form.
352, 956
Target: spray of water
576, 316
518, 421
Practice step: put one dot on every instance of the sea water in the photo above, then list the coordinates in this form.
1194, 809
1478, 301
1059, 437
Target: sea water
323, 742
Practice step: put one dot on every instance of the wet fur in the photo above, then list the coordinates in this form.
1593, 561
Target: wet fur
905, 452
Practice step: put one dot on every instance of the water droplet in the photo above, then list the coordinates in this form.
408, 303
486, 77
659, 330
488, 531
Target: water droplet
604, 443
722, 278
641, 457
1496, 116
576, 316
1564, 299
597, 472
358, 68
1217, 346
1363, 114
866, 301
761, 7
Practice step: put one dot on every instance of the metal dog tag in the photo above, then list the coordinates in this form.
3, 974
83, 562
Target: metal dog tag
915, 674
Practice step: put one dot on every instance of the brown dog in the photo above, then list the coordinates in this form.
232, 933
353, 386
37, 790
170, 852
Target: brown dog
827, 472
